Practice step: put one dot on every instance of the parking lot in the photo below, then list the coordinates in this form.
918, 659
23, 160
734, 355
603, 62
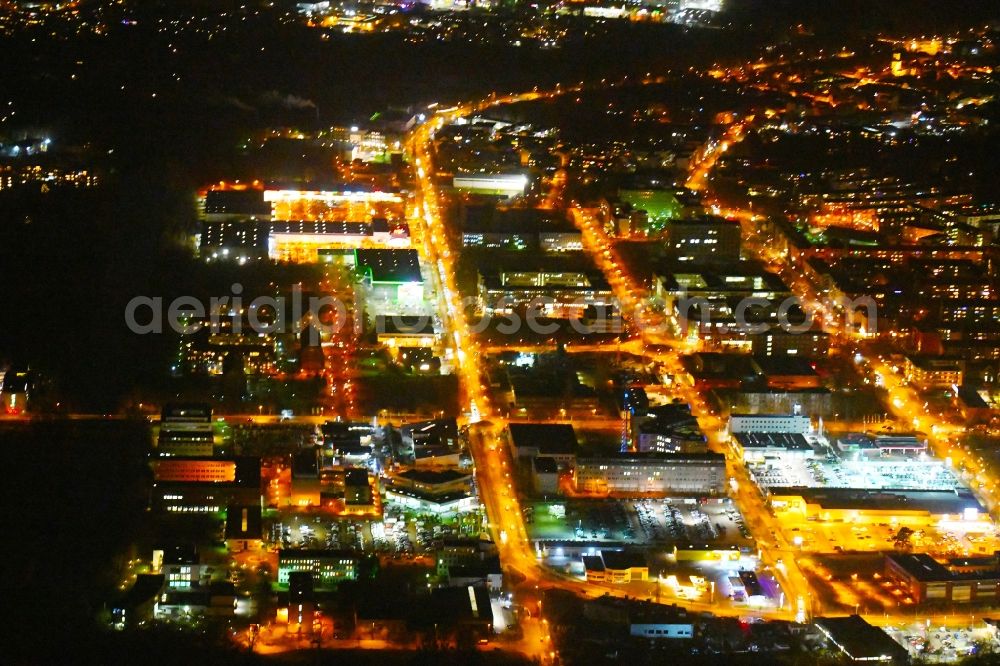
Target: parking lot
942, 644
914, 474
659, 522
839, 537
691, 521
318, 532
405, 533
710, 582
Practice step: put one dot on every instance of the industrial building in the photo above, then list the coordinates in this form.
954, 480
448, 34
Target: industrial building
205, 485
859, 641
244, 528
643, 619
963, 580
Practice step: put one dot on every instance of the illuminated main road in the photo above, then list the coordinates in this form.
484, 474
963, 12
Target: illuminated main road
652, 338
904, 403
487, 443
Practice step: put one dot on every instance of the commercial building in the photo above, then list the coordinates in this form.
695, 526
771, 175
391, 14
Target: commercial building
436, 456
705, 553
230, 203
328, 198
437, 432
434, 482
545, 475
301, 607
915, 508
703, 241
559, 286
662, 625
881, 445
218, 599
718, 304
508, 185
616, 566
234, 240
739, 279
701, 474
181, 567
429, 444
560, 241
460, 552
224, 340
357, 487
942, 295
624, 566
185, 430
917, 491
194, 470
755, 447
432, 490
730, 323
308, 485
328, 567
439, 503
789, 373
485, 226
137, 604
777, 342
931, 372
185, 413
770, 423
549, 440
341, 490
667, 429
305, 241
706, 371
391, 281
15, 390
348, 443
750, 400
484, 572
403, 331
466, 610
593, 567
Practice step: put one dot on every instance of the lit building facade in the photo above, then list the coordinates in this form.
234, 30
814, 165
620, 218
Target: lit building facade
703, 473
